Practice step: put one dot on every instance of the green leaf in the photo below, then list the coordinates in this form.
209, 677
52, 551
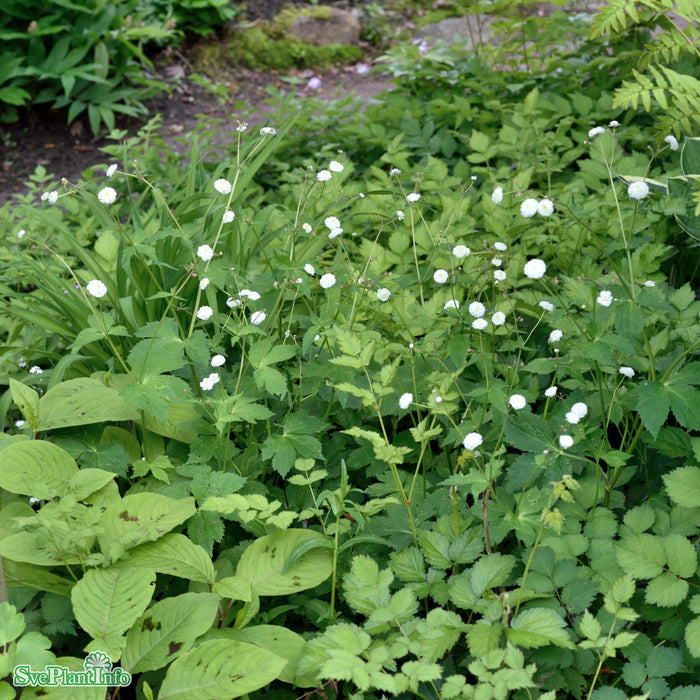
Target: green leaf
167, 630
233, 588
81, 402
641, 556
264, 563
27, 401
36, 468
272, 380
653, 405
23, 575
590, 627
491, 571
107, 602
692, 637
682, 484
154, 356
666, 590
141, 517
88, 481
664, 661
538, 627
11, 623
680, 555
172, 554
220, 670
629, 319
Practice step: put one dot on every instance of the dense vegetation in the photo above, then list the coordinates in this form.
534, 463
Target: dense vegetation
394, 403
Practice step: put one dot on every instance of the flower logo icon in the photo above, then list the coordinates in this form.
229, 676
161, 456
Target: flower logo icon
98, 659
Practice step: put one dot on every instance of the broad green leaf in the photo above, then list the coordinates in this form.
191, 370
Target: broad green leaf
680, 555
36, 468
629, 319
641, 556
538, 627
107, 602
491, 571
88, 481
264, 563
81, 402
220, 670
154, 356
24, 575
38, 548
11, 623
140, 518
653, 405
167, 630
172, 554
272, 380
692, 637
27, 401
233, 588
484, 637
682, 484
366, 587
590, 627
666, 590
664, 661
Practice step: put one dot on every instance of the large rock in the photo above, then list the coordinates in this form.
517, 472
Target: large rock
475, 29
339, 27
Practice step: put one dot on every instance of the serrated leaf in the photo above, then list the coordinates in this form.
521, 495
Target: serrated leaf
682, 484
641, 556
680, 555
220, 670
653, 405
666, 590
36, 468
264, 563
167, 630
107, 602
664, 661
692, 637
27, 401
11, 623
538, 627
590, 627
491, 571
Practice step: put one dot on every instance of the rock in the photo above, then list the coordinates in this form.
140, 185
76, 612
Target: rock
340, 27
474, 28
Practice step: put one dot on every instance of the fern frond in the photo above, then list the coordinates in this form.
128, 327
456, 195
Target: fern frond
613, 18
666, 48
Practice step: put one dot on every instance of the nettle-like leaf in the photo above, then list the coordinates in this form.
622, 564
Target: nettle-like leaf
682, 484
538, 627
27, 401
220, 670
641, 556
296, 440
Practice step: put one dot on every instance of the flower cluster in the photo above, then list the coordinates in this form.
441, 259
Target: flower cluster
531, 206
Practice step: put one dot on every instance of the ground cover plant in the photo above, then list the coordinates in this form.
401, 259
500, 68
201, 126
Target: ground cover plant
407, 407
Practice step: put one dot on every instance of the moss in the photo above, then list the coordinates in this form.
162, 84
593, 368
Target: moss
285, 18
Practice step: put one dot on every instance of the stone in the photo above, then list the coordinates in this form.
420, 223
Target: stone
340, 27
475, 29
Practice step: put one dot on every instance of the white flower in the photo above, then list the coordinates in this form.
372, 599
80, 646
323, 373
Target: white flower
555, 336
21, 233
257, 317
440, 276
496, 262
242, 126
529, 208
204, 283
638, 189
205, 252
323, 175
208, 383
111, 170
517, 401
50, 197
412, 197
22, 362
334, 233
551, 391
405, 400
498, 319
267, 131
233, 303
650, 283
217, 360
472, 441
451, 304
500, 246
499, 275
336, 167
36, 370
400, 215
253, 296
534, 269
479, 324
565, 441
605, 298
222, 186
614, 124
309, 269
547, 306
327, 280
331, 222
545, 207
204, 313
394, 172
19, 423
96, 288
572, 418
477, 309
672, 142
383, 294
307, 228
497, 195
580, 409
596, 131
627, 372
228, 216
461, 251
